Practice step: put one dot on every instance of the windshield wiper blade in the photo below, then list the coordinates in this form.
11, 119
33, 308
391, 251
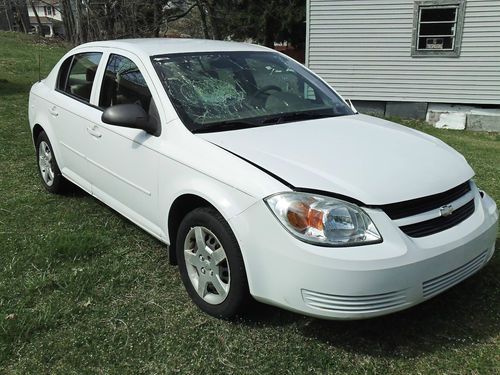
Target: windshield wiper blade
297, 116
226, 125
271, 120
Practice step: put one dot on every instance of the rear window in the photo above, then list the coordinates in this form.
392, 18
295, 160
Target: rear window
77, 75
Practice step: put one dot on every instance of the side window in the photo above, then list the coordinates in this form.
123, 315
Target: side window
309, 92
63, 73
123, 83
82, 68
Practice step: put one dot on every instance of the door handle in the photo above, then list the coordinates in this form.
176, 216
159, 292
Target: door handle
92, 130
53, 111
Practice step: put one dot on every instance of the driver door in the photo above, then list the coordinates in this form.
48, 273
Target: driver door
124, 162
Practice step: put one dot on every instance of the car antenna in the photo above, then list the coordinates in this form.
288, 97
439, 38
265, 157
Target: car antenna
39, 60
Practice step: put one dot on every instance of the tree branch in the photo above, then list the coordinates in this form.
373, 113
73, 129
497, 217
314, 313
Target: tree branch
181, 15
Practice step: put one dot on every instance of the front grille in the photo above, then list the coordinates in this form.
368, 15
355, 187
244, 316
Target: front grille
447, 280
343, 303
406, 214
417, 206
438, 224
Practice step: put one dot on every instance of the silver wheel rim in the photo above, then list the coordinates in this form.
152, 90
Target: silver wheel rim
45, 163
207, 265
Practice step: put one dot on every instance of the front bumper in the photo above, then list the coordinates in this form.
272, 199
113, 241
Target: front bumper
362, 281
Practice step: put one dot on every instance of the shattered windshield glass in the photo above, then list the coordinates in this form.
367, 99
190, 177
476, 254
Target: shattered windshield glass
233, 90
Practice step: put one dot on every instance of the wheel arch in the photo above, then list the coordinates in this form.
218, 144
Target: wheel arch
180, 207
189, 200
37, 130
43, 125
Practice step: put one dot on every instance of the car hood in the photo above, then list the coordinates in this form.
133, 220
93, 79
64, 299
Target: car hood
369, 159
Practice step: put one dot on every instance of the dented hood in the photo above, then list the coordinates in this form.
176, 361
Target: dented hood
362, 157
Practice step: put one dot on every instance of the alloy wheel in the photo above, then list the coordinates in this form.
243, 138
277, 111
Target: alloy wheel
45, 163
207, 265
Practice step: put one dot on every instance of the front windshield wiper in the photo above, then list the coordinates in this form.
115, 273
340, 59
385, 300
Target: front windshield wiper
297, 116
281, 118
226, 125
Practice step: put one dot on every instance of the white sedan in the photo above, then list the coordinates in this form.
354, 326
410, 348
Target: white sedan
262, 180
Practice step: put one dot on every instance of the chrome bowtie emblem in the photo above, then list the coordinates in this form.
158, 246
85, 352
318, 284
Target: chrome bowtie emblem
446, 210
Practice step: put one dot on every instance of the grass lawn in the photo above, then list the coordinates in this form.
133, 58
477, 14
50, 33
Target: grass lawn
82, 290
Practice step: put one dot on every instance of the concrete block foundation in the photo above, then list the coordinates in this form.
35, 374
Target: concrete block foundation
443, 116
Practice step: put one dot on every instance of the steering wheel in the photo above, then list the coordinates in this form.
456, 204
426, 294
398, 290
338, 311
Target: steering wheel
264, 90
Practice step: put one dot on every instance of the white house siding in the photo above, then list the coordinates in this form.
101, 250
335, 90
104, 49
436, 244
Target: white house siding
363, 49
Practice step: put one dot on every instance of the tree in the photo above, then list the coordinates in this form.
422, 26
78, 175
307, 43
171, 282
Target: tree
86, 20
14, 15
6, 15
263, 21
40, 28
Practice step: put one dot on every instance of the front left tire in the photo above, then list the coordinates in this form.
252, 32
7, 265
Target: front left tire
211, 264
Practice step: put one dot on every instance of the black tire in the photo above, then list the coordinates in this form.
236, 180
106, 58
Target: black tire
59, 184
238, 296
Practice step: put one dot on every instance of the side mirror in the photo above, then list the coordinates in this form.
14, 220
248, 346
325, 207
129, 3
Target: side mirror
130, 116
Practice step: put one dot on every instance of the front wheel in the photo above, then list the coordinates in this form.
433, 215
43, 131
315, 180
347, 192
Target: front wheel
210, 263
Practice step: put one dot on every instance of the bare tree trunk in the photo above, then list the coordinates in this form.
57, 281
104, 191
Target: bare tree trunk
71, 15
109, 20
203, 18
22, 11
96, 23
69, 22
157, 18
213, 19
40, 28
134, 21
89, 27
78, 22
8, 14
269, 34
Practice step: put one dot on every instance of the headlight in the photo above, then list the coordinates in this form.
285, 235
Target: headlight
323, 220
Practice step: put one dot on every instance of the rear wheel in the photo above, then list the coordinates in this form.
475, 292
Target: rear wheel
211, 264
48, 169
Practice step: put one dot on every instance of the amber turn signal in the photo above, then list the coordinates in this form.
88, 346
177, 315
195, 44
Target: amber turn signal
301, 216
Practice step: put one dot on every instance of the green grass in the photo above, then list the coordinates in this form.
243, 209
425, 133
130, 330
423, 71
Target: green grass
82, 290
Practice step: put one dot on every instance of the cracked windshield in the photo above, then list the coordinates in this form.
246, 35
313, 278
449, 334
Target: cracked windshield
235, 90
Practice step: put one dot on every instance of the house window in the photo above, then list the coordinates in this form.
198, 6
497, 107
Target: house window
437, 28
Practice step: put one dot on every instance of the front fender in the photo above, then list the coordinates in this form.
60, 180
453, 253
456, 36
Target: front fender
182, 180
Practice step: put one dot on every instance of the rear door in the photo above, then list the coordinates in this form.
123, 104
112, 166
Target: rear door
69, 112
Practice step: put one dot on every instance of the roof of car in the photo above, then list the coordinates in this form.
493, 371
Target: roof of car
160, 46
